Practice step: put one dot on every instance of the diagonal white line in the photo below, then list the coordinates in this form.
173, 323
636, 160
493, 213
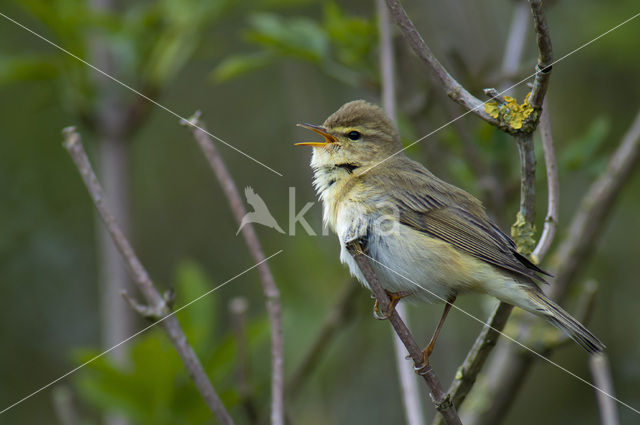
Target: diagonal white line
504, 91
137, 92
507, 336
91, 360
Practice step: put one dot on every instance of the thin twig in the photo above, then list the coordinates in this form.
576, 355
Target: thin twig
507, 373
468, 371
516, 40
271, 292
453, 89
73, 145
63, 406
238, 307
335, 321
441, 400
408, 383
601, 372
545, 54
553, 187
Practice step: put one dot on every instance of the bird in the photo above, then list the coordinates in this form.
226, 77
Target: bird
428, 240
260, 213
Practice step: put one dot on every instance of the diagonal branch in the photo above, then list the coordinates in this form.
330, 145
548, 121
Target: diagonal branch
505, 377
271, 292
73, 145
453, 88
440, 399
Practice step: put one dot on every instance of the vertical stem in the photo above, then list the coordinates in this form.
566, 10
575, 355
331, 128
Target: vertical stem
116, 318
601, 372
269, 287
408, 383
527, 178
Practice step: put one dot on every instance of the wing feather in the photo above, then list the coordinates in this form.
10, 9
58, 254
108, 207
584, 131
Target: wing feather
446, 212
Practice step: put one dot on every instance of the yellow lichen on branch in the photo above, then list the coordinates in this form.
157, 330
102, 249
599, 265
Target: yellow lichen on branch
523, 234
510, 112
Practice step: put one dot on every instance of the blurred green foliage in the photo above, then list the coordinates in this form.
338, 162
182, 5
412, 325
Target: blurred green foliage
339, 44
155, 388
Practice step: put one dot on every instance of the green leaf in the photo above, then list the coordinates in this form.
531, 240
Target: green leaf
297, 37
583, 150
198, 319
352, 37
236, 65
27, 68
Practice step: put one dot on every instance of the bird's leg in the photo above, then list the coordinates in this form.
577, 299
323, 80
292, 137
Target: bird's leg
394, 299
429, 348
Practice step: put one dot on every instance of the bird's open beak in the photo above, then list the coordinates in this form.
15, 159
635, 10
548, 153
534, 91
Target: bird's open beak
328, 138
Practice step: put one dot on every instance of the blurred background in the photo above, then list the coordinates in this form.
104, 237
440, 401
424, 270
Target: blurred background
255, 68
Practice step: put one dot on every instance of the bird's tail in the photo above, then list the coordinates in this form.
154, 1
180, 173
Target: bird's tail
567, 324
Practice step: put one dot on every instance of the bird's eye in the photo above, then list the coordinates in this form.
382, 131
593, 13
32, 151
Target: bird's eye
353, 135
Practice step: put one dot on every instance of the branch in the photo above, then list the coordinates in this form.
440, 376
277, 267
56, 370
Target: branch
238, 308
453, 89
468, 371
506, 375
527, 184
596, 204
545, 55
553, 187
269, 287
73, 145
441, 401
408, 382
601, 372
341, 313
514, 47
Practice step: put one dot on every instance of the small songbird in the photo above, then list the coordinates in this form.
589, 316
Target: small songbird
428, 239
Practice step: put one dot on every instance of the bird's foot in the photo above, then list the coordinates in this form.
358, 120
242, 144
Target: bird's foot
394, 299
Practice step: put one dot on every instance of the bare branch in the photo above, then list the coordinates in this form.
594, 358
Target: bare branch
271, 292
601, 372
141, 278
238, 307
545, 54
441, 400
553, 187
596, 204
411, 398
341, 313
453, 89
514, 47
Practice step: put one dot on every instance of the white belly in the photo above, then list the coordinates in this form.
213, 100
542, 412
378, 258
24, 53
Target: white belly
403, 266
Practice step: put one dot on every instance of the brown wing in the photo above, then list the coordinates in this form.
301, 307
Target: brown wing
455, 226
446, 212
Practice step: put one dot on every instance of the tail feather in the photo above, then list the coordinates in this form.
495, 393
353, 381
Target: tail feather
570, 326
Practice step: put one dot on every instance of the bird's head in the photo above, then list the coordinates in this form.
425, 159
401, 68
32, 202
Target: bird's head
358, 133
